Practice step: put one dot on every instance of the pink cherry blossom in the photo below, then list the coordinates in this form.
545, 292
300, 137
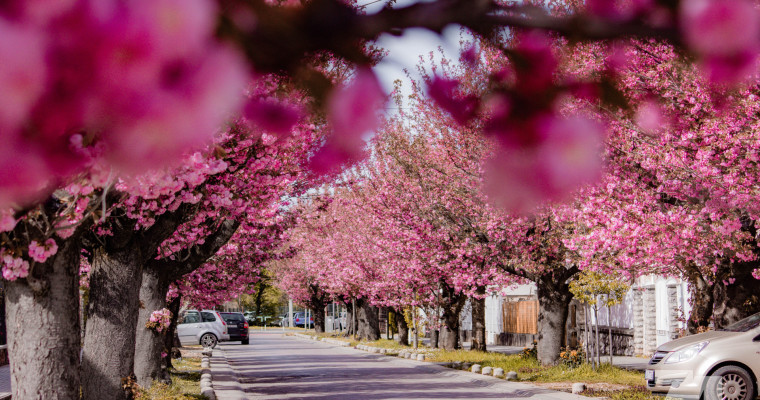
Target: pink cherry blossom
41, 253
444, 92
159, 320
272, 116
353, 111
23, 77
14, 268
7, 221
726, 33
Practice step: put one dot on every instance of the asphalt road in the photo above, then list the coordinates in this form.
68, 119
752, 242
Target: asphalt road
277, 367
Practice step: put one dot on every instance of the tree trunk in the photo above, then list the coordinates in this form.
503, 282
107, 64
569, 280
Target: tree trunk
449, 336
319, 319
109, 343
554, 297
157, 275
261, 286
318, 304
479, 321
368, 323
350, 326
737, 300
42, 322
434, 335
403, 328
701, 301
171, 340
151, 344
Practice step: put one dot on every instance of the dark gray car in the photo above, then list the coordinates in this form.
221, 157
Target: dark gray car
237, 326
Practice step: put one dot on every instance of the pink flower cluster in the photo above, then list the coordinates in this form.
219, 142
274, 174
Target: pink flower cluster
137, 83
352, 113
542, 155
159, 320
725, 34
41, 252
14, 268
7, 221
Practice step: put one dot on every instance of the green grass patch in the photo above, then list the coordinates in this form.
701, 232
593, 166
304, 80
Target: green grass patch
633, 393
387, 344
186, 383
528, 369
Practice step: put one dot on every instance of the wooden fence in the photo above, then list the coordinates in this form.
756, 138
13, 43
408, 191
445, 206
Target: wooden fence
520, 316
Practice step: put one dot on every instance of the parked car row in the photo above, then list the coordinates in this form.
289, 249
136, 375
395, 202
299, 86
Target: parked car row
209, 327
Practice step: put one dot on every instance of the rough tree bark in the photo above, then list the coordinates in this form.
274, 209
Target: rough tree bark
402, 327
434, 335
553, 292
261, 286
116, 276
42, 320
368, 323
701, 301
453, 303
149, 344
737, 300
171, 340
157, 275
317, 298
479, 320
349, 319
109, 341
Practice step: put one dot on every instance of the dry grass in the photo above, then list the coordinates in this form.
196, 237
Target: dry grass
186, 378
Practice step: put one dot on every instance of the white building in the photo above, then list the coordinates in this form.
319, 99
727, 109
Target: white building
653, 312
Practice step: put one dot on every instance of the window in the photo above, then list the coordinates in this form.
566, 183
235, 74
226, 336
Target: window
191, 317
233, 317
208, 317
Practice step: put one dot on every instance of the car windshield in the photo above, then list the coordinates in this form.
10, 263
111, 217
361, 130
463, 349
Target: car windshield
744, 325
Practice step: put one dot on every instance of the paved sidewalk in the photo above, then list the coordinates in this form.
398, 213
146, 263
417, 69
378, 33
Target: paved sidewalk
278, 367
5, 382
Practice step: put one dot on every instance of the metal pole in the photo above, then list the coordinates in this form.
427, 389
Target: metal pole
290, 313
585, 332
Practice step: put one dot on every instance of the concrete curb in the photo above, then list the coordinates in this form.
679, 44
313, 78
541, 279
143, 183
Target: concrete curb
222, 380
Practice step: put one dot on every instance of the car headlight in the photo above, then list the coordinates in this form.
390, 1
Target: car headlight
686, 354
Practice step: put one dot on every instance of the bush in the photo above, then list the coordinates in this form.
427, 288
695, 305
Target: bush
530, 352
572, 358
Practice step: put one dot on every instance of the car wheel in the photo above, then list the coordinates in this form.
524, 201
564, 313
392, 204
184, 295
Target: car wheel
730, 383
245, 341
209, 340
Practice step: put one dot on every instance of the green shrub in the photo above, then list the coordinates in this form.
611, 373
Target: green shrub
572, 357
530, 352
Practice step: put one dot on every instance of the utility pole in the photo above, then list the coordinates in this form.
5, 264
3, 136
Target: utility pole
290, 313
414, 321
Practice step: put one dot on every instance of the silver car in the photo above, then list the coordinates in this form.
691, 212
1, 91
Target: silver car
722, 364
206, 327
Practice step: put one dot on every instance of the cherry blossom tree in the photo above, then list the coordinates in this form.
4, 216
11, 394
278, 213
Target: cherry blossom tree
96, 93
